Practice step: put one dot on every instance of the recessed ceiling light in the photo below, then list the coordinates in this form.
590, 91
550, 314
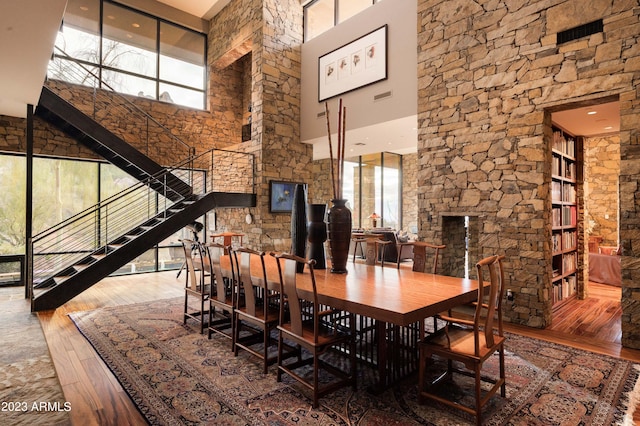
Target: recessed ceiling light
608, 128
111, 17
84, 8
135, 25
592, 112
129, 36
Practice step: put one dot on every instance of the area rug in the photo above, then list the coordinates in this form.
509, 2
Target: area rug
175, 375
30, 393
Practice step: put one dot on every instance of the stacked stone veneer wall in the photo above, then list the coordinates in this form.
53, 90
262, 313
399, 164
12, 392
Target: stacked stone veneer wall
602, 170
489, 75
409, 192
272, 32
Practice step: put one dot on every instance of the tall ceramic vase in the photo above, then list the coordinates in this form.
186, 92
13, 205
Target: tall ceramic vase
339, 220
299, 224
317, 230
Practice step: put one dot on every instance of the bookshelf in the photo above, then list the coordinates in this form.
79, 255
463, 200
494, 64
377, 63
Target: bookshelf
564, 217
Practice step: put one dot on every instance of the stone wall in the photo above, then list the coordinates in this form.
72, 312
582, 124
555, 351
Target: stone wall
602, 169
410, 193
272, 31
490, 73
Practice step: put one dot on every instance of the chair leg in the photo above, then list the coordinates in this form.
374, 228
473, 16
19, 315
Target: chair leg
316, 367
280, 343
503, 388
478, 396
265, 333
186, 306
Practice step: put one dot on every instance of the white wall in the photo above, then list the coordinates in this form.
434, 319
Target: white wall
384, 125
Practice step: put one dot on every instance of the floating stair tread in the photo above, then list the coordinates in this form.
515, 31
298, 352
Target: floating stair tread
60, 279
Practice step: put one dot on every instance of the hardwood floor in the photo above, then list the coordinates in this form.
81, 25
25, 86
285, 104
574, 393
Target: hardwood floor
98, 399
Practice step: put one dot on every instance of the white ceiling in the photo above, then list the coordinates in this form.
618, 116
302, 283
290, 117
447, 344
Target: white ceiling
26, 44
205, 9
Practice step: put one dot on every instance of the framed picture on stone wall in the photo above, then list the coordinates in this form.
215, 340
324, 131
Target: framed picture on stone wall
354, 65
281, 196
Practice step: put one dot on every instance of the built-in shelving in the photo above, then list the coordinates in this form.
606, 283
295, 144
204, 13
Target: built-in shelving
564, 217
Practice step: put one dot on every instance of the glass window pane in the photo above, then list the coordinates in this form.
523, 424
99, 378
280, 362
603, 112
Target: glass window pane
349, 188
181, 96
371, 189
131, 85
349, 8
65, 70
80, 35
319, 17
181, 56
61, 189
391, 190
12, 204
129, 41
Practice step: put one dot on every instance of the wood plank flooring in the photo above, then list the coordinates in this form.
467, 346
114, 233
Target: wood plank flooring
98, 399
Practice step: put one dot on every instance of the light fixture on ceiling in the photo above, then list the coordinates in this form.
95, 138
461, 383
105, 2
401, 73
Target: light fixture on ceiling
592, 112
135, 25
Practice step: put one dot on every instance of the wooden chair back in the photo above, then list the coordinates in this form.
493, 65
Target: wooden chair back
287, 264
194, 257
420, 263
223, 283
255, 290
489, 305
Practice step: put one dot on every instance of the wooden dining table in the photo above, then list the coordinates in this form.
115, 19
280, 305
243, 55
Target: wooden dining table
391, 301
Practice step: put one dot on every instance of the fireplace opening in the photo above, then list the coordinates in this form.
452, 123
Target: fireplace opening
460, 235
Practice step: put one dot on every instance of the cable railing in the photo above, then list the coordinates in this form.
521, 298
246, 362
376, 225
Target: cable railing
115, 112
99, 227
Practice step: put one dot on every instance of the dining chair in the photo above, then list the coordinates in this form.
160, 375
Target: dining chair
259, 314
196, 285
316, 328
420, 255
357, 242
222, 299
469, 342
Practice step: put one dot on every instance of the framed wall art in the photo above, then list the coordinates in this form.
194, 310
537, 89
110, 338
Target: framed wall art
281, 196
354, 65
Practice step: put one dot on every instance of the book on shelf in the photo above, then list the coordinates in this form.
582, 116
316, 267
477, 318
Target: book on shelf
556, 166
569, 240
556, 216
569, 193
569, 216
556, 191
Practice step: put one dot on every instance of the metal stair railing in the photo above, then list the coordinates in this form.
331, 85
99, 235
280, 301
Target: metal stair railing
65, 244
114, 111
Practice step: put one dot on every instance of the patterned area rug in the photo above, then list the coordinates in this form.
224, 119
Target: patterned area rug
30, 393
177, 376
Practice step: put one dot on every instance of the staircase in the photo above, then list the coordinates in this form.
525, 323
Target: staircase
75, 254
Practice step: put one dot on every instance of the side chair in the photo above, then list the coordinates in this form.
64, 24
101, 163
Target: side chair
469, 342
259, 314
420, 255
222, 299
314, 327
196, 285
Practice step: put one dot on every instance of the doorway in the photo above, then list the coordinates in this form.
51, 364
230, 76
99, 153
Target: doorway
596, 125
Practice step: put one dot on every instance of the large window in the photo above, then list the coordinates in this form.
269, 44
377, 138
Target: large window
321, 15
63, 188
373, 184
135, 53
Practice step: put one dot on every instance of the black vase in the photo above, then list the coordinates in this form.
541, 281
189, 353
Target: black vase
317, 230
339, 220
299, 224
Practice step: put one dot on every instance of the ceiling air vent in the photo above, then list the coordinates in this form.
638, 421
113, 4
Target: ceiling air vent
581, 31
321, 114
